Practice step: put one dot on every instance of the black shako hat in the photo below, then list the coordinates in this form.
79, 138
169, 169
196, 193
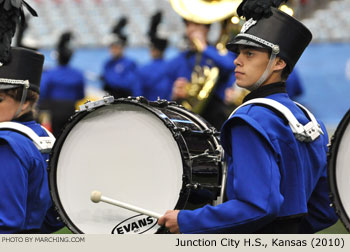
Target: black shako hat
155, 41
118, 35
159, 43
24, 68
63, 48
280, 32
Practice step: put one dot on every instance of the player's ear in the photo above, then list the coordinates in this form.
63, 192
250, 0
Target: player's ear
280, 64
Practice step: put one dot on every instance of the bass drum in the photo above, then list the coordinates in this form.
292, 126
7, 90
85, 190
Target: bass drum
339, 170
153, 155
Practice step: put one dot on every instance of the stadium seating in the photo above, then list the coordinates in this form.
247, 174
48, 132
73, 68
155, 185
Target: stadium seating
92, 21
332, 23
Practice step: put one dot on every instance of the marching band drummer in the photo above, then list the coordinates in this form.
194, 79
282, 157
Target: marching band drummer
277, 180
25, 197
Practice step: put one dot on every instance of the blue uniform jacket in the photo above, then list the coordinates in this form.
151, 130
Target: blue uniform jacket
183, 64
62, 83
24, 186
121, 73
294, 86
154, 81
270, 175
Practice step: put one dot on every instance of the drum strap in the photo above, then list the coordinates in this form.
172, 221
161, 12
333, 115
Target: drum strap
44, 144
304, 133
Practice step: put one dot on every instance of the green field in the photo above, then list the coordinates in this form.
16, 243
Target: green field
337, 228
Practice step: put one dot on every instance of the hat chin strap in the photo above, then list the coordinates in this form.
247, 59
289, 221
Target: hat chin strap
24, 96
266, 73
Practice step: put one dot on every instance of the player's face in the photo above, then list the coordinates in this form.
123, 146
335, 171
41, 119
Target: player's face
155, 53
196, 31
116, 50
250, 65
8, 107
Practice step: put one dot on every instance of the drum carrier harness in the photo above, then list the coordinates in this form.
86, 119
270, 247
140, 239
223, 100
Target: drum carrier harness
44, 144
303, 133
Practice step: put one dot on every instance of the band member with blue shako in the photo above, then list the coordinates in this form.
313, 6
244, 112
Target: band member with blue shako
119, 72
153, 76
275, 149
24, 144
199, 55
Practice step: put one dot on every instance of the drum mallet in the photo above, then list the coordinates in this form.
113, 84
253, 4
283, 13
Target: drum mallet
96, 197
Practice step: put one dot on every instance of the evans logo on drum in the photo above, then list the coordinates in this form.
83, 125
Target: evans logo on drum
135, 225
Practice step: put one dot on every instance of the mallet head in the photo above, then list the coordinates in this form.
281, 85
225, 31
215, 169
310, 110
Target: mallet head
95, 196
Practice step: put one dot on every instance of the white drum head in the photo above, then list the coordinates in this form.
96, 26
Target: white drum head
339, 170
343, 170
127, 153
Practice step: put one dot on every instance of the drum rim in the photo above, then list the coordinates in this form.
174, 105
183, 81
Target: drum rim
332, 159
74, 119
52, 171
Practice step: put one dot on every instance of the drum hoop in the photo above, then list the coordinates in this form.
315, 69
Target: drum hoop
72, 121
75, 119
332, 159
193, 116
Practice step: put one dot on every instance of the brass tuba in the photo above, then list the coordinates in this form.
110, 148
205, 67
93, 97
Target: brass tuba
204, 79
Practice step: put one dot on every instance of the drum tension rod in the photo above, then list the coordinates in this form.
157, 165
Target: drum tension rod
197, 186
207, 132
210, 131
206, 154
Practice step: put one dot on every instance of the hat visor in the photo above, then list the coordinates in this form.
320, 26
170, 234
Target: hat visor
233, 45
8, 86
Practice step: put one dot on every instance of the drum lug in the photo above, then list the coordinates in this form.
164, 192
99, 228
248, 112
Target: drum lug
142, 99
163, 103
173, 103
178, 131
194, 186
212, 131
177, 135
181, 129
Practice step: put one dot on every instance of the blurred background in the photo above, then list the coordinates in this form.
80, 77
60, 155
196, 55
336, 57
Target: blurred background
324, 68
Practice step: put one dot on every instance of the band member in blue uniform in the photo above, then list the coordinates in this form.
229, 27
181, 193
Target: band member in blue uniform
201, 53
294, 85
154, 81
24, 144
119, 72
276, 153
62, 86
